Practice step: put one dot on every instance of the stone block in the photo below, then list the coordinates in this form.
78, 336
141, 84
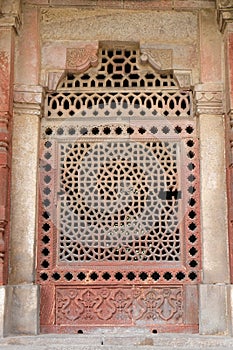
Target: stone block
2, 309
22, 310
214, 309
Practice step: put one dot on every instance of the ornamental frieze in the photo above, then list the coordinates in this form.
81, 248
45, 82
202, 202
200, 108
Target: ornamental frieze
122, 306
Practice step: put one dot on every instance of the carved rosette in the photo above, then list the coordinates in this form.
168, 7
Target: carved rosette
81, 58
122, 306
209, 99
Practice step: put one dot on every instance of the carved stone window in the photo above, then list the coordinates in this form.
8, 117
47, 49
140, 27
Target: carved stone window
119, 192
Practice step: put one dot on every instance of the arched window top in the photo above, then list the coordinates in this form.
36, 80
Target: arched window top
120, 68
123, 82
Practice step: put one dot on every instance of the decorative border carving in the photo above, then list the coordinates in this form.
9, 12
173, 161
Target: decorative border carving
28, 99
28, 94
209, 99
81, 58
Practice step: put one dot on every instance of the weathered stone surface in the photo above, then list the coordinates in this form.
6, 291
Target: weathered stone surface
27, 53
213, 200
214, 309
211, 48
21, 312
111, 25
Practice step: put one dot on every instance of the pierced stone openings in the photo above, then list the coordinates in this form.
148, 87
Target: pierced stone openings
119, 205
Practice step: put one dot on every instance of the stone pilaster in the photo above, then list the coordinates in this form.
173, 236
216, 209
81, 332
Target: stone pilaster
9, 24
22, 296
209, 108
215, 262
27, 112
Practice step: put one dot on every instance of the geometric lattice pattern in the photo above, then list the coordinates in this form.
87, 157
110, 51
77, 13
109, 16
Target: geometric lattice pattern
119, 202
147, 91
119, 68
119, 235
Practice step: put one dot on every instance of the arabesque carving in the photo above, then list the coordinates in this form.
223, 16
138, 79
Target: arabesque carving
81, 58
119, 305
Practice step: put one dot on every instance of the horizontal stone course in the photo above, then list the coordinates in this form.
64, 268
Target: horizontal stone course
129, 4
110, 340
